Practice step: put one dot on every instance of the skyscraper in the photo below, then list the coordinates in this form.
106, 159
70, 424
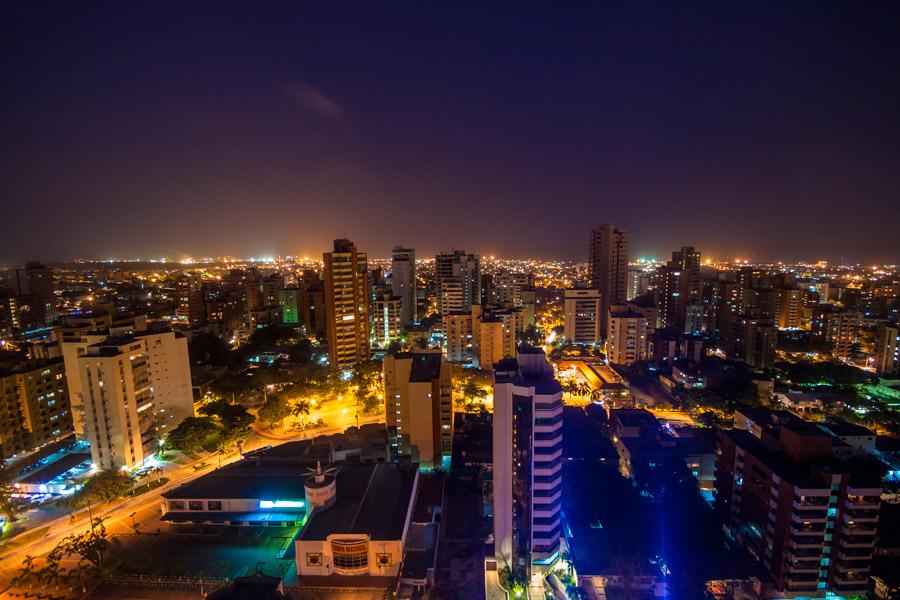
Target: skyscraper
346, 304
528, 436
608, 258
386, 321
419, 406
457, 281
679, 287
403, 282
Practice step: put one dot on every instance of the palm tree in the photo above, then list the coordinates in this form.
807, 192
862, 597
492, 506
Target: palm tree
26, 572
299, 408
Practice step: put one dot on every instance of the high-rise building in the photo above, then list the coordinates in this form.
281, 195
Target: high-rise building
789, 302
495, 338
36, 288
839, 327
134, 388
582, 315
9, 313
34, 405
403, 282
527, 460
808, 515
629, 336
289, 299
312, 303
75, 336
386, 319
419, 406
639, 282
457, 281
346, 304
687, 259
753, 341
887, 350
608, 258
679, 286
507, 288
460, 336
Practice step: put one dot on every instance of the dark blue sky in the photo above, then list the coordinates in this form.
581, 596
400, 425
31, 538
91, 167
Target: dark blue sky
766, 130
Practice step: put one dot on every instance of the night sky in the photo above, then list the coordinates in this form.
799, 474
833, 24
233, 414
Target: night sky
765, 131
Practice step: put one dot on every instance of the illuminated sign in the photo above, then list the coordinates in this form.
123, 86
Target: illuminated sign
282, 504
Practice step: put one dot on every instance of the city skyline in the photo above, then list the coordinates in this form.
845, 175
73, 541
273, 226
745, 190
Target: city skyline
767, 133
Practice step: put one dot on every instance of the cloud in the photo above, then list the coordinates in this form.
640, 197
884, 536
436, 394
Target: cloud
314, 101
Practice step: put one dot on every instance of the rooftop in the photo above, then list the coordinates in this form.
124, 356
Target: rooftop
371, 499
426, 366
247, 479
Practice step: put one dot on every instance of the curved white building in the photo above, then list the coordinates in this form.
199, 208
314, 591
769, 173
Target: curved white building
528, 437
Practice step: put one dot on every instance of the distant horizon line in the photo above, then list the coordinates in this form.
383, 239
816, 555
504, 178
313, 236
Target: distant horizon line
187, 261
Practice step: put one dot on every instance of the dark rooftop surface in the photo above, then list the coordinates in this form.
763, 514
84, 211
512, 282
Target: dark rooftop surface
251, 587
863, 471
246, 479
426, 366
371, 499
508, 371
57, 467
843, 428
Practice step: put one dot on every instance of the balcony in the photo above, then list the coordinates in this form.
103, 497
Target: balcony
864, 529
809, 506
851, 582
858, 543
863, 504
860, 518
816, 517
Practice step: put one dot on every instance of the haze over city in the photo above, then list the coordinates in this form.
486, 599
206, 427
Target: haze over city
768, 132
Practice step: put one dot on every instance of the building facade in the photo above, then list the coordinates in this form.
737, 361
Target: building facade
346, 304
403, 282
419, 406
457, 281
527, 458
608, 262
629, 337
134, 389
583, 311
808, 516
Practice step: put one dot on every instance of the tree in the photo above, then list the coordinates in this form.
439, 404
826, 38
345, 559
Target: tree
105, 486
230, 416
275, 409
301, 353
298, 408
10, 505
27, 572
231, 437
208, 349
92, 546
191, 433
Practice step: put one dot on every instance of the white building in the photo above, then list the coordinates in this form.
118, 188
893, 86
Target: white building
528, 435
582, 316
134, 388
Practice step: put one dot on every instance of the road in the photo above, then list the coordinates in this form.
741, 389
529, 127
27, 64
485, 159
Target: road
124, 513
